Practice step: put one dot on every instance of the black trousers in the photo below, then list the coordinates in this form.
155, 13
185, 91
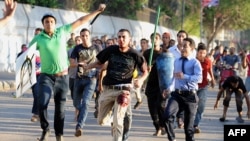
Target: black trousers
184, 102
156, 109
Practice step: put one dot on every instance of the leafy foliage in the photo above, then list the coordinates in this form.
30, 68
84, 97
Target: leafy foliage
122, 8
45, 3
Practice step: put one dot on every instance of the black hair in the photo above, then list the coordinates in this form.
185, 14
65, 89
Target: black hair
38, 29
47, 16
125, 30
182, 31
23, 45
84, 29
144, 39
191, 42
201, 46
234, 79
156, 34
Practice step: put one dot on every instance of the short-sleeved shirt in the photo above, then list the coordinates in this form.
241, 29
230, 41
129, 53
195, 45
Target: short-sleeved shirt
206, 66
87, 55
121, 65
227, 84
53, 50
231, 59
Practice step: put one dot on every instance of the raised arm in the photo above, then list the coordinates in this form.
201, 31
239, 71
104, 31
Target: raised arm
8, 12
84, 19
244, 60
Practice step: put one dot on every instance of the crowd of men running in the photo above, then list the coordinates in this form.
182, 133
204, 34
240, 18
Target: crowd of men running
114, 69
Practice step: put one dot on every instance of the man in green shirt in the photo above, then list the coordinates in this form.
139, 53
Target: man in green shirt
54, 69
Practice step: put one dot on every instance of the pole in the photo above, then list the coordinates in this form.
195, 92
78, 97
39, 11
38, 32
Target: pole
182, 14
201, 21
156, 23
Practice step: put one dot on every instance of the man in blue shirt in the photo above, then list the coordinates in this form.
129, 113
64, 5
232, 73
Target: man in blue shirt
231, 60
187, 75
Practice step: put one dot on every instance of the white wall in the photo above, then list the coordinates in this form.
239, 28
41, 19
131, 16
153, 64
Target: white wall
21, 28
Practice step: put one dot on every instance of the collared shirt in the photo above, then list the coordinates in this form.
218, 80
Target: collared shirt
53, 50
192, 75
177, 53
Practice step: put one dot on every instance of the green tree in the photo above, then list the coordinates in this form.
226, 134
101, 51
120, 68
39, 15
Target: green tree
229, 15
44, 3
122, 8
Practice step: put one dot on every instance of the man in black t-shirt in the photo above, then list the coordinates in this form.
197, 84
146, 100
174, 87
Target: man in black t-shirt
233, 84
85, 81
117, 83
156, 103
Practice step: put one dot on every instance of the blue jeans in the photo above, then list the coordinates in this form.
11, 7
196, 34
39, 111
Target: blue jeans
71, 87
35, 97
83, 90
247, 83
48, 85
202, 94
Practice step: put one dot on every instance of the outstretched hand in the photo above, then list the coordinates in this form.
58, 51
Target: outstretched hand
10, 8
216, 105
213, 83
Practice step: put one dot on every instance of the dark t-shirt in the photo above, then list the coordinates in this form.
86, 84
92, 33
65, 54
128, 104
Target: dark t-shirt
227, 84
152, 82
86, 54
121, 65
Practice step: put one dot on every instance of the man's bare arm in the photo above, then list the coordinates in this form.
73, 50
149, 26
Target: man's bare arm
84, 19
8, 12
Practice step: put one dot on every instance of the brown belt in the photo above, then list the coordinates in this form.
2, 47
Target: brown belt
117, 87
65, 72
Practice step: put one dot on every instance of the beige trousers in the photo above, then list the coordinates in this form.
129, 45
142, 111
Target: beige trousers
107, 103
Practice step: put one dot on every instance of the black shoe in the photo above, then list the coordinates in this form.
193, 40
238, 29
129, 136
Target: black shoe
222, 119
96, 114
137, 104
45, 135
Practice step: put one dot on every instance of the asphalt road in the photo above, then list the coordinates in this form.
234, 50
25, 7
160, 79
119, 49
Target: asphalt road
7, 76
15, 124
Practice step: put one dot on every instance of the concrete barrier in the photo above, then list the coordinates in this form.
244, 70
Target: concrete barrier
21, 28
